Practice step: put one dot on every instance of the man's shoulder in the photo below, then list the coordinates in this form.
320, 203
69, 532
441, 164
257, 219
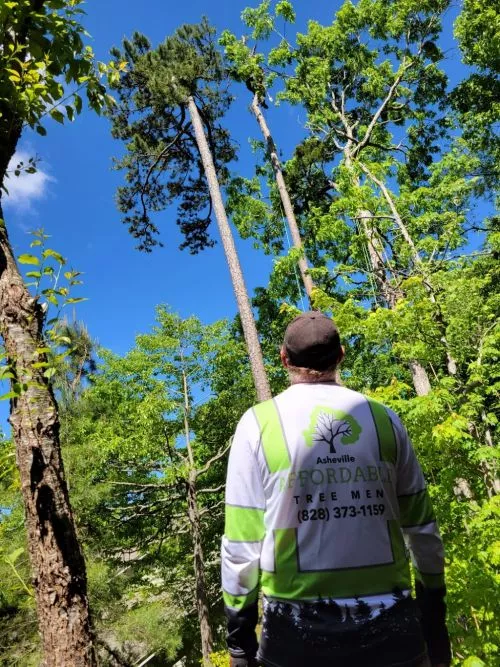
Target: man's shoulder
395, 419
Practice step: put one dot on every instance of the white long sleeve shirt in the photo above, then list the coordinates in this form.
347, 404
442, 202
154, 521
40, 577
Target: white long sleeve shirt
323, 487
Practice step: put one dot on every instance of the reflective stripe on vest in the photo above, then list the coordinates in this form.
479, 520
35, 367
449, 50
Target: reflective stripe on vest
272, 436
385, 432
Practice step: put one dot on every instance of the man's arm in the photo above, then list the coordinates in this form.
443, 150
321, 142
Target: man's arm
421, 531
242, 542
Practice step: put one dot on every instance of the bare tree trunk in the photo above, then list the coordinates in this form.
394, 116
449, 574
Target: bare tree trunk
390, 294
285, 197
451, 364
247, 319
419, 375
57, 562
462, 488
195, 524
351, 150
377, 263
420, 378
487, 431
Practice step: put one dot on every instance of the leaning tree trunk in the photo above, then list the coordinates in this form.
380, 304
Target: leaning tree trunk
285, 197
451, 364
247, 318
390, 294
57, 562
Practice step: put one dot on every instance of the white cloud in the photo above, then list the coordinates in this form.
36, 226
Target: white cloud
25, 189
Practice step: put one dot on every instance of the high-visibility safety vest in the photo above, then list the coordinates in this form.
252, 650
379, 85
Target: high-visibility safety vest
323, 489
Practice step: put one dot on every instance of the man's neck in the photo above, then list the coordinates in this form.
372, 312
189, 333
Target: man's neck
313, 380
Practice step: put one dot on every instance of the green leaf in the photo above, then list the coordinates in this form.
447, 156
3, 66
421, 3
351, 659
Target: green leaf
9, 394
52, 253
50, 372
63, 339
473, 661
76, 300
57, 115
6, 373
14, 555
33, 274
77, 101
52, 299
28, 259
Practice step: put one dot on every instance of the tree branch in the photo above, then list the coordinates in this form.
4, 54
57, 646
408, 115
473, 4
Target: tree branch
142, 486
215, 458
382, 107
211, 508
404, 231
216, 490
153, 166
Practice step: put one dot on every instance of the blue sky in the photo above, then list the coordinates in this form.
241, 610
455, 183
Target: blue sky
72, 196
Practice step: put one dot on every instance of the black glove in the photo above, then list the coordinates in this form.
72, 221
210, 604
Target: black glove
241, 637
433, 621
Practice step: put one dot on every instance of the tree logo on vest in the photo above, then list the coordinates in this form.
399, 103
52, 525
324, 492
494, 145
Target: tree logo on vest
331, 426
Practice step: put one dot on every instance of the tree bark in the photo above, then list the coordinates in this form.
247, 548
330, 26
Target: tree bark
285, 197
195, 525
247, 319
420, 378
375, 250
57, 562
199, 572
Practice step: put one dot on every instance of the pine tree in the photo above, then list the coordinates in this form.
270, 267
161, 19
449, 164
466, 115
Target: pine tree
171, 101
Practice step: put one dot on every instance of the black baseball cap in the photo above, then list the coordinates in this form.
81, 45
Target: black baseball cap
312, 341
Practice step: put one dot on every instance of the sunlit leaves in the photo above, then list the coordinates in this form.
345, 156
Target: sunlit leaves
51, 288
38, 72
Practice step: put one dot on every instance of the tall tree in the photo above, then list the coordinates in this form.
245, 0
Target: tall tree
367, 83
476, 99
246, 66
175, 352
162, 444
171, 102
42, 47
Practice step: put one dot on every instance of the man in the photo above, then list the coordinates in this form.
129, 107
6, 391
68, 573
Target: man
322, 484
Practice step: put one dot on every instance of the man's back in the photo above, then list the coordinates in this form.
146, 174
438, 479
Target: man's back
322, 484
320, 481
